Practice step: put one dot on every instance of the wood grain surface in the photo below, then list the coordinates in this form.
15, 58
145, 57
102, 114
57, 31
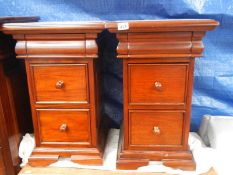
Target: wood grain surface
171, 77
158, 63
77, 125
168, 123
74, 79
63, 79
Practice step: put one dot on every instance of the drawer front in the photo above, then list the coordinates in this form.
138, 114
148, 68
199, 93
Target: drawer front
149, 127
64, 125
61, 83
157, 84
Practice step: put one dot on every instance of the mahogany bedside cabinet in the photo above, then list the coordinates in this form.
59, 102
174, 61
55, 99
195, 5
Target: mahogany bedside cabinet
63, 77
158, 62
15, 118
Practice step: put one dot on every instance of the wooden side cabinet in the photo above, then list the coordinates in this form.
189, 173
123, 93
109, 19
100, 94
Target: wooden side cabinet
158, 62
63, 77
14, 104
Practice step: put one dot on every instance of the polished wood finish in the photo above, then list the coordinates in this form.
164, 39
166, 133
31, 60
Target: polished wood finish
83, 27
162, 84
64, 126
90, 160
78, 40
60, 83
66, 152
158, 63
63, 79
162, 38
44, 160
187, 165
158, 129
131, 164
14, 113
63, 73
157, 155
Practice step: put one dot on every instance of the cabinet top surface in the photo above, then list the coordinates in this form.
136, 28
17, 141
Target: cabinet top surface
97, 26
54, 27
164, 25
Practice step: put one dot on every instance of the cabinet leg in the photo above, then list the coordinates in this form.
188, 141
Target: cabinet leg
42, 160
187, 165
87, 160
131, 164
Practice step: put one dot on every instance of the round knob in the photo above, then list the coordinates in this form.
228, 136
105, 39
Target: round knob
156, 130
60, 84
158, 85
63, 127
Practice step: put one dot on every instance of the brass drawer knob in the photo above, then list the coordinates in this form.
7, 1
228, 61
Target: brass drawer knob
158, 85
63, 127
156, 130
60, 84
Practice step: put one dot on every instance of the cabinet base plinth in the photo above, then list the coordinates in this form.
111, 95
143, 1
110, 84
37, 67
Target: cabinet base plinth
45, 156
187, 165
87, 160
133, 159
131, 164
42, 160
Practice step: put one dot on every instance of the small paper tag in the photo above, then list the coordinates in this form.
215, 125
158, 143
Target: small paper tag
123, 26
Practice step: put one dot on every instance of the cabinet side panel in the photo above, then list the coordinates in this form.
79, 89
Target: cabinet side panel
189, 103
32, 101
125, 102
